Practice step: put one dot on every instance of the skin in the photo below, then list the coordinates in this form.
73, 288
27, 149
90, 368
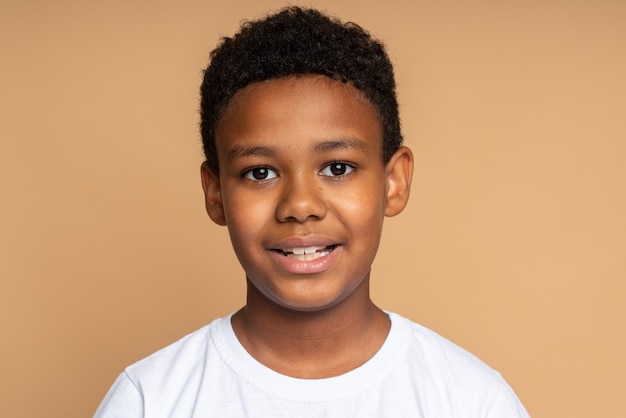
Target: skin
301, 166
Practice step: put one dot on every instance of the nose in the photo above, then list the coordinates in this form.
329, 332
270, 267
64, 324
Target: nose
301, 200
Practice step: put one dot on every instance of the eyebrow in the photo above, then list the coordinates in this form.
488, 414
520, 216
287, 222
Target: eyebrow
241, 151
342, 143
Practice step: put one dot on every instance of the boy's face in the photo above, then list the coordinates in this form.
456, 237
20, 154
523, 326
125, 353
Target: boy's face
303, 189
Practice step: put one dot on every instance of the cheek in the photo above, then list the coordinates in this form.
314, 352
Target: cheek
246, 216
240, 206
363, 220
364, 209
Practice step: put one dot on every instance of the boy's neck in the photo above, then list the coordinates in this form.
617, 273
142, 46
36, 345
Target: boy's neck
312, 344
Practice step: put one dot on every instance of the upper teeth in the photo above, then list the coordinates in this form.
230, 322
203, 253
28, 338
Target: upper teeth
303, 250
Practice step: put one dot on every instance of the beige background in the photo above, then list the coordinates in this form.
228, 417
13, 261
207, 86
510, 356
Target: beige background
513, 245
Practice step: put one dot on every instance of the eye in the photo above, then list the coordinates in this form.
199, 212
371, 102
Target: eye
337, 169
260, 173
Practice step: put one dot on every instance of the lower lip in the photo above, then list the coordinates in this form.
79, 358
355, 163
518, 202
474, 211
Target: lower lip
293, 266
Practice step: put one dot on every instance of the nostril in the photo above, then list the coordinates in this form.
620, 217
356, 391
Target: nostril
302, 200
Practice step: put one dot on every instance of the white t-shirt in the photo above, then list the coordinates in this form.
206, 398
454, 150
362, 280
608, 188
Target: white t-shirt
208, 373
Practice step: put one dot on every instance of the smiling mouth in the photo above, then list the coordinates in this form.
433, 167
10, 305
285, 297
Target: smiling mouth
306, 253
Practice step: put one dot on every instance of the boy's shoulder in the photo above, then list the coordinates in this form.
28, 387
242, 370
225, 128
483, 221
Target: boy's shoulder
439, 352
186, 352
451, 375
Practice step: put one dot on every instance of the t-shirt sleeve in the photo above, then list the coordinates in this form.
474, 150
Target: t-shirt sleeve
506, 404
123, 400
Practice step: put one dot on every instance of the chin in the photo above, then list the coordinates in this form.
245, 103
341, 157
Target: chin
309, 304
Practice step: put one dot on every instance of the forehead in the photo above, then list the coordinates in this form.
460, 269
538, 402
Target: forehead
305, 107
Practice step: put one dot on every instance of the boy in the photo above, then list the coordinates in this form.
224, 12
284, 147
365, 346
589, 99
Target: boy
304, 159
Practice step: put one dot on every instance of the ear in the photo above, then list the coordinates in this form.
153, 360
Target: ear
212, 194
399, 171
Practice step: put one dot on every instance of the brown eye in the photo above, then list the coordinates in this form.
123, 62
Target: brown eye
337, 169
260, 173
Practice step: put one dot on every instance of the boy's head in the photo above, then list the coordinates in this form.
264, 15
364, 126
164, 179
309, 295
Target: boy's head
298, 41
301, 110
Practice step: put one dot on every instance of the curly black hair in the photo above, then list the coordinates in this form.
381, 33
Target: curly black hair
299, 41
